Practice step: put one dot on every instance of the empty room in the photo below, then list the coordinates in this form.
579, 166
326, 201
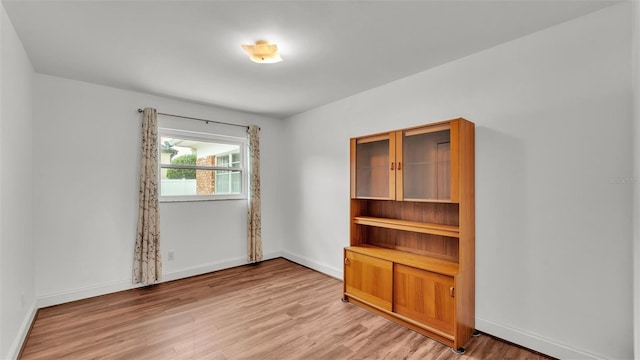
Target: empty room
320, 179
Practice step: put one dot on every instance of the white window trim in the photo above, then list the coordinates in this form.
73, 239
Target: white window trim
207, 137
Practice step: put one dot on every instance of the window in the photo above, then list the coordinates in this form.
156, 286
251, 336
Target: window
200, 166
228, 181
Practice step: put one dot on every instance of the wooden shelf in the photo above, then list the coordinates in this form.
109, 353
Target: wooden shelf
415, 226
423, 262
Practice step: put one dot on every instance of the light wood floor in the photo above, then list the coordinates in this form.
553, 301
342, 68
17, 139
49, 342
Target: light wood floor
273, 310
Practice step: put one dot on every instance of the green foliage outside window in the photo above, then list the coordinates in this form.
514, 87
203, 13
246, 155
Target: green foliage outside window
182, 173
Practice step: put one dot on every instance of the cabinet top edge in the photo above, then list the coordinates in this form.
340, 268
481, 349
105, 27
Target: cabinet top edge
416, 127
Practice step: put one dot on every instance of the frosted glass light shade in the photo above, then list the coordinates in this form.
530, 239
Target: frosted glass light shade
262, 52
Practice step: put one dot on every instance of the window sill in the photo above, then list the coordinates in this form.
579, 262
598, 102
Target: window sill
173, 199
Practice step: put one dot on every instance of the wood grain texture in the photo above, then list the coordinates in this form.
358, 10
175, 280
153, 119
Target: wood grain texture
394, 172
406, 225
465, 281
352, 167
428, 212
414, 260
399, 190
273, 310
455, 159
445, 214
424, 296
358, 233
369, 279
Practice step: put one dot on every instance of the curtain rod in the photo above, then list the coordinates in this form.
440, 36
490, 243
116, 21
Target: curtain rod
205, 120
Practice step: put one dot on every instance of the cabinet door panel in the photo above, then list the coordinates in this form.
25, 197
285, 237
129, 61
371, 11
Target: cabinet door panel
375, 167
369, 279
424, 296
426, 164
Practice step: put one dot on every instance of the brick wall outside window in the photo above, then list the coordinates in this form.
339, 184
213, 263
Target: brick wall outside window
205, 179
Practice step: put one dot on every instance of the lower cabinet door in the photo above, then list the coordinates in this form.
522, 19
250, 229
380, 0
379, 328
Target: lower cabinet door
369, 279
425, 296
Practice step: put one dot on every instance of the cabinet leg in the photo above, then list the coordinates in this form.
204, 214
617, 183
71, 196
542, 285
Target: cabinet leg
458, 351
476, 333
344, 300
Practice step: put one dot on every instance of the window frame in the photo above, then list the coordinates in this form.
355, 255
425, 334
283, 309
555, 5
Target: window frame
210, 138
228, 173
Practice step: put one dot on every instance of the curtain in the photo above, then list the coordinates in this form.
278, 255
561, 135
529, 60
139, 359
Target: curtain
254, 226
147, 263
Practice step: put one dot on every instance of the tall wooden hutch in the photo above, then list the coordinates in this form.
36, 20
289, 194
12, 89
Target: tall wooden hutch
411, 257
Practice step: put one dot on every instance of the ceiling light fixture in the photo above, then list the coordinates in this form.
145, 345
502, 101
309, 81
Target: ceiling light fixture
263, 52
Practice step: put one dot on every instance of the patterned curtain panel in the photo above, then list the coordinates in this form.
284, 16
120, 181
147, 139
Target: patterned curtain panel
254, 226
147, 263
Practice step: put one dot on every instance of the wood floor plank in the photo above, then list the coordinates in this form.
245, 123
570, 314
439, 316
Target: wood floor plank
273, 310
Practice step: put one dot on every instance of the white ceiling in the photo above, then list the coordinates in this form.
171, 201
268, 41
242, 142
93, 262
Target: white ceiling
332, 49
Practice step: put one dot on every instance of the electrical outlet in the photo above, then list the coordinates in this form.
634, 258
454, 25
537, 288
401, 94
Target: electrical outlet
171, 255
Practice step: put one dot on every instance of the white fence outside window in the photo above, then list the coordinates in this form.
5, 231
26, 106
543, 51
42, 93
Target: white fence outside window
178, 186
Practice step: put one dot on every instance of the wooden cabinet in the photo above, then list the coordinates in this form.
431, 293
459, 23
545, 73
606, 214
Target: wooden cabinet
373, 169
412, 164
424, 163
412, 255
370, 278
425, 296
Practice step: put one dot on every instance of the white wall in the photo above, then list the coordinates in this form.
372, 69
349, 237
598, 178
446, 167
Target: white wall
553, 128
553, 141
86, 141
636, 174
17, 267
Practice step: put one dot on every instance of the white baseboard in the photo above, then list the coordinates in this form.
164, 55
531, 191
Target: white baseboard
203, 269
84, 293
21, 336
315, 265
103, 289
534, 341
213, 266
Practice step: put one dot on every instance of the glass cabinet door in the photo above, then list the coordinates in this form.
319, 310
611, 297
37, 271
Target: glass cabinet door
425, 170
374, 167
